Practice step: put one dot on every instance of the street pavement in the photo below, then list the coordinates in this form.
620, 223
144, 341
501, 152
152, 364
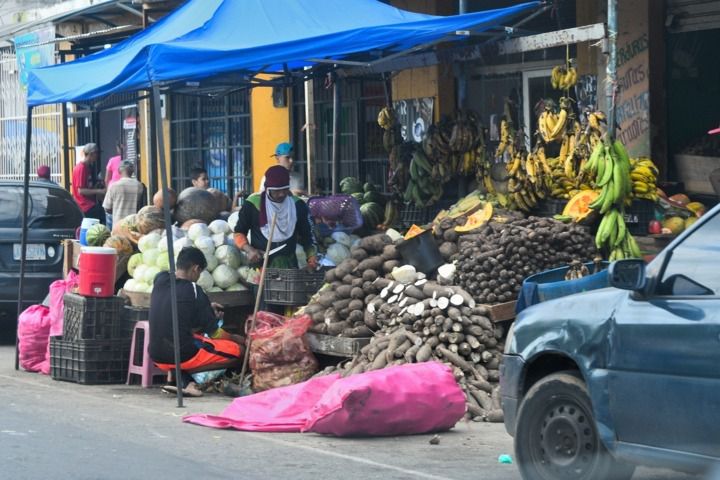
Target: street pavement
58, 430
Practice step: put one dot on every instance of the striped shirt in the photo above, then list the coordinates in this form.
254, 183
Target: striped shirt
123, 197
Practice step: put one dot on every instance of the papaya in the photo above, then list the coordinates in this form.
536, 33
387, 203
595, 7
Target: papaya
467, 205
578, 207
413, 231
477, 219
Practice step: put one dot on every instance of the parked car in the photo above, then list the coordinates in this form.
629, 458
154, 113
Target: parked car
595, 383
53, 216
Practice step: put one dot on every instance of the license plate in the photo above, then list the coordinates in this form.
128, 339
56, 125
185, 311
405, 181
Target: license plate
35, 251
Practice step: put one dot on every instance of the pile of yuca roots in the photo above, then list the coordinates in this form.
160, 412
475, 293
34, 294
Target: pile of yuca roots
415, 319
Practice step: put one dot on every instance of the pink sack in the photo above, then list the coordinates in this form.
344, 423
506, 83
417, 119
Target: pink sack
401, 400
57, 290
284, 409
33, 335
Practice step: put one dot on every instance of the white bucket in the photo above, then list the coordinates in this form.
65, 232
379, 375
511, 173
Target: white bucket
84, 226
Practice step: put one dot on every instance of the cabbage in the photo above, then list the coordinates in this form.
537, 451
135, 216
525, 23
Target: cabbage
198, 230
150, 274
150, 257
233, 219
139, 272
205, 243
148, 241
162, 245
229, 255
218, 239
130, 285
354, 240
393, 234
237, 287
205, 281
337, 253
212, 262
224, 276
342, 238
214, 289
141, 287
135, 260
219, 226
163, 261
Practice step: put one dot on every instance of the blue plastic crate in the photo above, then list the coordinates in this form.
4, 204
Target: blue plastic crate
551, 284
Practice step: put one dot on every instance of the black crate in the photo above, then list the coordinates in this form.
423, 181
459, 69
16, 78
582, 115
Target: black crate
135, 314
549, 207
412, 215
89, 362
291, 286
95, 318
639, 215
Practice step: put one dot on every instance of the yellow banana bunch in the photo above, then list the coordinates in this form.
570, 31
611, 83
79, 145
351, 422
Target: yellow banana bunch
644, 174
563, 78
505, 139
552, 126
386, 118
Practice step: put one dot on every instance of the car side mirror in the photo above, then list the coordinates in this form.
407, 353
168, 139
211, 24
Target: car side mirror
627, 274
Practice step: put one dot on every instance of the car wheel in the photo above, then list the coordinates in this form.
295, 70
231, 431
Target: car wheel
556, 438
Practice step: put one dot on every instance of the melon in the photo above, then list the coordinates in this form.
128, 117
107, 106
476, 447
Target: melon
578, 207
97, 234
689, 222
675, 224
467, 205
195, 203
222, 202
477, 219
697, 208
149, 218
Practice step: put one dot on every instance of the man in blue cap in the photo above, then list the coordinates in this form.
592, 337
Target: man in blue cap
283, 155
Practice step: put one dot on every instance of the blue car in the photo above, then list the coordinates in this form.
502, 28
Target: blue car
598, 382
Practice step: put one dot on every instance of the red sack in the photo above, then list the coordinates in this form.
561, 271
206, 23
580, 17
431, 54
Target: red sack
33, 336
279, 353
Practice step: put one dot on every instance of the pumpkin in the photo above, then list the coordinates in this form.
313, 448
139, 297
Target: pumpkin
578, 207
477, 219
467, 205
158, 198
119, 243
414, 231
150, 218
127, 227
222, 202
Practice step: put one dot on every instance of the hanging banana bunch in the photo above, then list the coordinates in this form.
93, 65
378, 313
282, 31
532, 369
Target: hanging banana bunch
563, 77
610, 165
386, 118
423, 187
644, 174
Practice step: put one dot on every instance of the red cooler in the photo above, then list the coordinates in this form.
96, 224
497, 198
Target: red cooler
97, 271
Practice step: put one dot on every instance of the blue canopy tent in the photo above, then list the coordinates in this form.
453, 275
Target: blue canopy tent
234, 40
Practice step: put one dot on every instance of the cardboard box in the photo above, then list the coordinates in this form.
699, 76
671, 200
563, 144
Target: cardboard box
71, 255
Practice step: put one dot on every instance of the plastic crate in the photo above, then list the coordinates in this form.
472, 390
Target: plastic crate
291, 286
89, 362
95, 318
412, 215
551, 284
549, 207
135, 314
639, 215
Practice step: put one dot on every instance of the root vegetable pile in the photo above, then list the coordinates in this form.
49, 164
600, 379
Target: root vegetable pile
493, 262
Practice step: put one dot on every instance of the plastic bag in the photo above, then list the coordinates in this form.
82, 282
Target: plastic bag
279, 353
33, 337
58, 289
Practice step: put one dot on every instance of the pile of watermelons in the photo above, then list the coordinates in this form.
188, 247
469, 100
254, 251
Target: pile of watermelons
372, 202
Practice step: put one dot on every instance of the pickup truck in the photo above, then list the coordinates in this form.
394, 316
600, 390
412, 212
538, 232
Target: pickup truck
598, 382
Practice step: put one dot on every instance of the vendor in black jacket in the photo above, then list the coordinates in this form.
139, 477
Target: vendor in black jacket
293, 224
196, 316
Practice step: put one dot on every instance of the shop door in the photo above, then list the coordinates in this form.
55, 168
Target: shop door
536, 89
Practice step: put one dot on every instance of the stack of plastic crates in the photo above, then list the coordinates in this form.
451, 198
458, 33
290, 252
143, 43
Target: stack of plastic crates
95, 345
291, 286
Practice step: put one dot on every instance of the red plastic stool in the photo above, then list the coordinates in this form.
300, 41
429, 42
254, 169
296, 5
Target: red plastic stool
140, 361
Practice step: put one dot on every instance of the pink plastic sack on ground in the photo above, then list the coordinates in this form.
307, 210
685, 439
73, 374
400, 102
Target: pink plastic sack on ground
284, 409
57, 290
33, 335
400, 400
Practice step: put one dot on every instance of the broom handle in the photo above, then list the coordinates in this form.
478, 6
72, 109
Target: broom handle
261, 286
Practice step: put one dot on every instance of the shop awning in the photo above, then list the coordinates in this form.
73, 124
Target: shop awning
207, 38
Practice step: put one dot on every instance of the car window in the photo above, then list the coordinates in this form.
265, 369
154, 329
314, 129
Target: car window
50, 207
696, 259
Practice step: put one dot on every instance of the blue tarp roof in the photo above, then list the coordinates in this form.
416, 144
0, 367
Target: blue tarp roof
206, 38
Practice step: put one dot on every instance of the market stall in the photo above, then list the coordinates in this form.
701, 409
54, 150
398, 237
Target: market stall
205, 44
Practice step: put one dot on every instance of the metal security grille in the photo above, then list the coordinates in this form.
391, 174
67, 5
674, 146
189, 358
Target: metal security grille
46, 146
212, 132
361, 101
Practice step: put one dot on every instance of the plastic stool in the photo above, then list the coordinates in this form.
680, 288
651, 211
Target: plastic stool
146, 368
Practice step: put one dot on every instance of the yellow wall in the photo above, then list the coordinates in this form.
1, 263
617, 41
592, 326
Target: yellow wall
270, 126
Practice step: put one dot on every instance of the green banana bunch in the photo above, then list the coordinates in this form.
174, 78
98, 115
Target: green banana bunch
613, 176
423, 188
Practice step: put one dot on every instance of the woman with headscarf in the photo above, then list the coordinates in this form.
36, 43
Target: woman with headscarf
292, 226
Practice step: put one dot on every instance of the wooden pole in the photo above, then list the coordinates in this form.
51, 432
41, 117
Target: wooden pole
24, 233
261, 286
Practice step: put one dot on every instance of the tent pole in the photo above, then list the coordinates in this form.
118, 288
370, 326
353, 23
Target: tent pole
611, 84
66, 146
310, 131
155, 130
168, 232
336, 135
23, 238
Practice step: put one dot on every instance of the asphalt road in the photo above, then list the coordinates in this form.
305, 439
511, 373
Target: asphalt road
57, 430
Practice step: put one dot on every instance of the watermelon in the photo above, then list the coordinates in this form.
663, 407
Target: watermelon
375, 197
358, 196
369, 187
350, 185
97, 234
372, 214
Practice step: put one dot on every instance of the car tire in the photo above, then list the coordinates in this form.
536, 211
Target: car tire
555, 435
